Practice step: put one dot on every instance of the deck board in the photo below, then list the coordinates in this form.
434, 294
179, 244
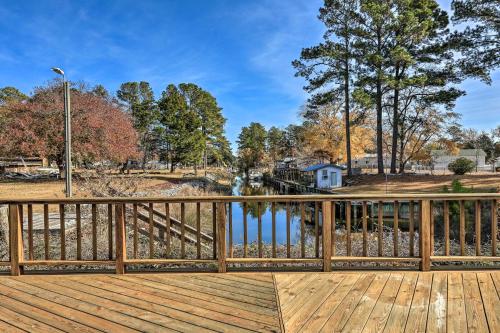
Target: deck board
372, 301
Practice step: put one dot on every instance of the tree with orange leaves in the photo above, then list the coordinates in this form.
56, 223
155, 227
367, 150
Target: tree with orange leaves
35, 127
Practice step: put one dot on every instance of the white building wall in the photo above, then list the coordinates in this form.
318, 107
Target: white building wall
322, 182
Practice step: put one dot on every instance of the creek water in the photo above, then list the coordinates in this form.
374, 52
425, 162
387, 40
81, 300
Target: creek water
240, 188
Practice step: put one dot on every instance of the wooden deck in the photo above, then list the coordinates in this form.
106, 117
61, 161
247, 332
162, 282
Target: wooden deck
236, 302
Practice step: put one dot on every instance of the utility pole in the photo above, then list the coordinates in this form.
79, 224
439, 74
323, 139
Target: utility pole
67, 138
67, 131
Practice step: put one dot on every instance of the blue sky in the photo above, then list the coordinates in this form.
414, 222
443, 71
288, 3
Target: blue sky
239, 50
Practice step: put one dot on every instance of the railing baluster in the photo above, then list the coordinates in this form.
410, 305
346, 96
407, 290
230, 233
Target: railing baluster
78, 232
110, 231
151, 231
136, 230
412, 228
327, 232
446, 213
15, 240
121, 242
288, 241
478, 227
273, 213
396, 228
230, 222
462, 228
214, 229
62, 231
302, 230
431, 230
380, 228
167, 227
183, 232
94, 232
259, 226
221, 241
316, 228
46, 227
198, 230
348, 228
245, 230
365, 230
334, 229
494, 227
425, 219
30, 232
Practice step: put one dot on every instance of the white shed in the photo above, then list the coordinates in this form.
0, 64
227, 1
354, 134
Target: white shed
325, 175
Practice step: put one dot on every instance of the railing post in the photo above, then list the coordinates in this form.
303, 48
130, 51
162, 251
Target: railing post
425, 235
327, 236
121, 245
221, 236
15, 240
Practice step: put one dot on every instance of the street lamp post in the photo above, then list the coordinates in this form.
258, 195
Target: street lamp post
67, 132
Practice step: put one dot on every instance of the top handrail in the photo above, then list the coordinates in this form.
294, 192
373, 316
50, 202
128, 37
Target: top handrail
257, 198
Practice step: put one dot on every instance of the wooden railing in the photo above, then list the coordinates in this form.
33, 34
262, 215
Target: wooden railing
329, 229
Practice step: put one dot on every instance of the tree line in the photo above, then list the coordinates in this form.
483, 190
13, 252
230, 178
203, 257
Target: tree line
397, 64
184, 127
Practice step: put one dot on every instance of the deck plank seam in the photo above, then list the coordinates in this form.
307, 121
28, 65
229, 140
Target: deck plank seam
278, 303
429, 305
482, 302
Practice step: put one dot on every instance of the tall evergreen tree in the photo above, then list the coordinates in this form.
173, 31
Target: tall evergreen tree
210, 114
420, 65
479, 42
181, 128
373, 37
251, 146
328, 67
139, 98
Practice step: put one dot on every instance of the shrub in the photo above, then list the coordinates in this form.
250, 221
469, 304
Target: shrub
461, 166
457, 187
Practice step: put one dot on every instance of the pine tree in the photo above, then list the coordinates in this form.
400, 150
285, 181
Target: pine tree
479, 42
328, 67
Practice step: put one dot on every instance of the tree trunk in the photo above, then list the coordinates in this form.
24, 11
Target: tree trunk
402, 163
380, 149
395, 129
347, 111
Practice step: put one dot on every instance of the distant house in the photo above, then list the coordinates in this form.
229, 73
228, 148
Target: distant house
368, 161
441, 158
323, 175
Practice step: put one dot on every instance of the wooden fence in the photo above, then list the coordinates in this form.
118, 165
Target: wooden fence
322, 212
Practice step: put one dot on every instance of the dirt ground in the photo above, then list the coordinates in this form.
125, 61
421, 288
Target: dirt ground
52, 189
376, 184
365, 184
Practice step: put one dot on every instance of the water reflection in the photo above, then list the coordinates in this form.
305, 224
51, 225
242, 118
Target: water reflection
242, 188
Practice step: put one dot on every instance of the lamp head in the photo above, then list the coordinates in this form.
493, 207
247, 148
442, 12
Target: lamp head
57, 70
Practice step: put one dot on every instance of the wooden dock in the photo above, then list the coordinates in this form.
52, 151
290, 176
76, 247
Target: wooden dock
370, 301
